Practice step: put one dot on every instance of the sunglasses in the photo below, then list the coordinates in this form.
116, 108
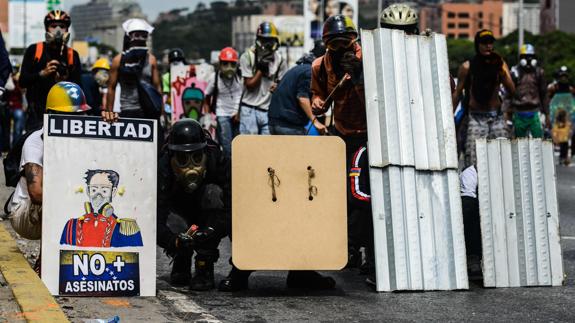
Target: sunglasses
229, 64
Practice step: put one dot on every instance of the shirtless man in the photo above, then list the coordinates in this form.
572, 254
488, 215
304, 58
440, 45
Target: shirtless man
481, 79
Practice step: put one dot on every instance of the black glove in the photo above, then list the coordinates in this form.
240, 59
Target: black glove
189, 241
352, 65
263, 66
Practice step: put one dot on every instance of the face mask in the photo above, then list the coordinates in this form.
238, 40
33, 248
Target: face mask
57, 37
102, 77
99, 195
266, 47
228, 71
189, 169
138, 39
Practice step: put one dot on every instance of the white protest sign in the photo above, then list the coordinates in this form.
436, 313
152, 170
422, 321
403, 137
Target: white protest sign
99, 206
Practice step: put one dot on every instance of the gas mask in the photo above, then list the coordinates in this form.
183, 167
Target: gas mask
102, 77
57, 37
189, 169
528, 61
265, 48
228, 69
100, 195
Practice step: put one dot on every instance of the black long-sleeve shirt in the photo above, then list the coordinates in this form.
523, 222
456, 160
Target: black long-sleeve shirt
38, 87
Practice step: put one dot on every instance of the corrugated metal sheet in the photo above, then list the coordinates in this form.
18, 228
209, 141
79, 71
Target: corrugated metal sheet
519, 213
418, 228
408, 100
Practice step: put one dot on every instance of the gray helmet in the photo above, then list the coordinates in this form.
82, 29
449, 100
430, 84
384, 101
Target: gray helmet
398, 14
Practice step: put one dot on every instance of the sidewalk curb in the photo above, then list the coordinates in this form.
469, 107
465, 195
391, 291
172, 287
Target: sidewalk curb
36, 302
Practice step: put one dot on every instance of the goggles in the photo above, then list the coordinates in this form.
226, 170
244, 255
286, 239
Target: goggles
228, 64
101, 189
340, 43
188, 159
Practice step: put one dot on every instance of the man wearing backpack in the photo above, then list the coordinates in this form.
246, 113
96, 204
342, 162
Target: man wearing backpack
530, 97
223, 95
23, 165
262, 68
46, 63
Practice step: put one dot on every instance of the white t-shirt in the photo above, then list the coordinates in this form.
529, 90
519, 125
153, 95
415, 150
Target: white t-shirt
229, 94
468, 179
261, 97
32, 152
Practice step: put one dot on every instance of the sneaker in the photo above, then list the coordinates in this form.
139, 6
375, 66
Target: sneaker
236, 281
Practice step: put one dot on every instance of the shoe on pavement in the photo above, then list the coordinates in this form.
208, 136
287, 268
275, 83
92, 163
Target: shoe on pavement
203, 279
236, 281
308, 279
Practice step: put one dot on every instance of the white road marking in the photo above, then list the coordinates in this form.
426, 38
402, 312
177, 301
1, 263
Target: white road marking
567, 238
184, 304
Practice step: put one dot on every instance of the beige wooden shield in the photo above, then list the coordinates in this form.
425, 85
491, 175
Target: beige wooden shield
305, 228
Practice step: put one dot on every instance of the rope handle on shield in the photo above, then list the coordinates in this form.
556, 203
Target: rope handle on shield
329, 100
274, 182
311, 188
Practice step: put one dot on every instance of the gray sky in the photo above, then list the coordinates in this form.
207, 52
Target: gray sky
153, 7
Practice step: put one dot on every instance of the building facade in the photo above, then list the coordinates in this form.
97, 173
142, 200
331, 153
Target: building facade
531, 17
463, 20
101, 20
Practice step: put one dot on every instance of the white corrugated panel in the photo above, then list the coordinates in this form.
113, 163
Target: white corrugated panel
408, 100
519, 213
418, 229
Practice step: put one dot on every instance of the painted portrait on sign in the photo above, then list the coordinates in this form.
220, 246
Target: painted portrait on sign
99, 226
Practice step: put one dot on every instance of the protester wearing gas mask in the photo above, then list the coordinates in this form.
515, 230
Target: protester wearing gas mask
223, 95
343, 61
530, 97
95, 85
134, 66
262, 68
194, 183
46, 63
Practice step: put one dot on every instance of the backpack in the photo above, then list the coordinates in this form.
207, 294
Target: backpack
40, 51
11, 162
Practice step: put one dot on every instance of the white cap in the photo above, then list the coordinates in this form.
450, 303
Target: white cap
136, 24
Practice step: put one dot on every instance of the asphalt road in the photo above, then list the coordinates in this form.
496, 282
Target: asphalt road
268, 300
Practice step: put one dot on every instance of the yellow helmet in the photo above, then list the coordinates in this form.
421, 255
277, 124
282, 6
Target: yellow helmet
66, 97
101, 63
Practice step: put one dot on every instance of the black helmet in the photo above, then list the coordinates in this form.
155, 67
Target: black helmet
338, 25
57, 16
176, 55
187, 135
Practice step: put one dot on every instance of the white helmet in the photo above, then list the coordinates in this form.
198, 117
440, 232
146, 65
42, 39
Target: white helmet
398, 14
136, 24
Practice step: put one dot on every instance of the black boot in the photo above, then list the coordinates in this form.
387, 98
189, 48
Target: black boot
203, 277
353, 258
309, 280
181, 270
237, 280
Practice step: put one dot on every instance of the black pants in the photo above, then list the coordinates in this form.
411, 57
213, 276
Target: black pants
4, 127
564, 150
359, 218
471, 225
